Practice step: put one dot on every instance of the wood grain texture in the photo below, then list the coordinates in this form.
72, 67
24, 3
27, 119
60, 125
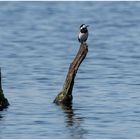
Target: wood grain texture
65, 96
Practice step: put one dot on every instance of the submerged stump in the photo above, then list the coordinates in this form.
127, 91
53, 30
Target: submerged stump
3, 101
65, 96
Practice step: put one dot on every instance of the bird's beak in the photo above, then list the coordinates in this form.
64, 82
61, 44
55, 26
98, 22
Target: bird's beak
87, 25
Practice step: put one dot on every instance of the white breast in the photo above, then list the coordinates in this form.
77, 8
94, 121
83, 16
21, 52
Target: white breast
83, 36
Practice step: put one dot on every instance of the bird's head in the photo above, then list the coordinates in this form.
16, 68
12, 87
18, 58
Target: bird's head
83, 26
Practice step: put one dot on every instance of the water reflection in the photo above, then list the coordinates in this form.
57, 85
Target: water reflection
1, 117
74, 123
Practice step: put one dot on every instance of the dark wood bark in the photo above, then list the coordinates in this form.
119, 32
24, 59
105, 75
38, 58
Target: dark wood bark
65, 96
3, 101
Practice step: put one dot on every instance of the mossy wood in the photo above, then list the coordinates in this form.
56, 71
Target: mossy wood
65, 96
3, 101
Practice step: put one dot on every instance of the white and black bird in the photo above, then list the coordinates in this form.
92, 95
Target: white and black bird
83, 34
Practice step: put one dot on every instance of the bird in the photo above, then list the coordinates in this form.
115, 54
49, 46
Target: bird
83, 34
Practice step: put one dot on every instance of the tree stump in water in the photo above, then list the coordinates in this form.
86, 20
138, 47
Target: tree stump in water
3, 101
65, 96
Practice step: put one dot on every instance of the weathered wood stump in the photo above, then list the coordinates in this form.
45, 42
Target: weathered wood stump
65, 96
3, 101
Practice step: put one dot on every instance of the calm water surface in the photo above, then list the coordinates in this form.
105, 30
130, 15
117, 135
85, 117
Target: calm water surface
38, 41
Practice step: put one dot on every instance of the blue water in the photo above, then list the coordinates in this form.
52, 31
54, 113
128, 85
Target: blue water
38, 41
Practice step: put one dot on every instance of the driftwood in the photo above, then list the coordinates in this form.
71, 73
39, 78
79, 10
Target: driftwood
65, 96
3, 101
